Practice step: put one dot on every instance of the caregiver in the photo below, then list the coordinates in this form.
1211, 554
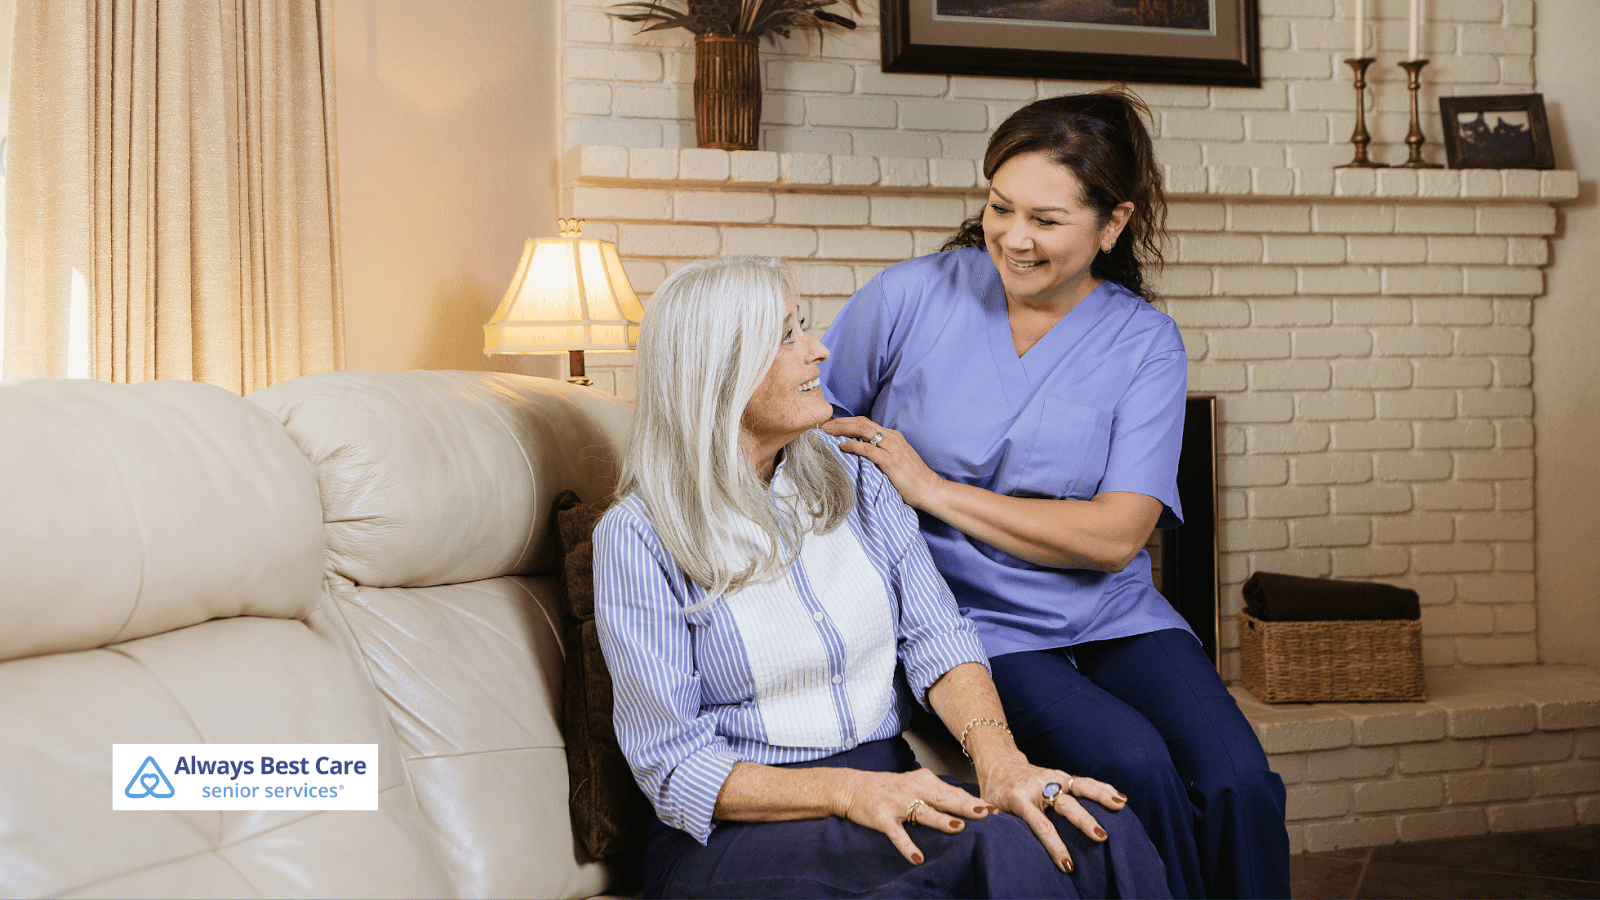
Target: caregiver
1027, 401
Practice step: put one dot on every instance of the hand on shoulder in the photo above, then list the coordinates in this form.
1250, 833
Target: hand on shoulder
888, 449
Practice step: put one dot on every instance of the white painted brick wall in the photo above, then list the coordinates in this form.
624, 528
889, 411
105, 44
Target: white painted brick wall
833, 98
1367, 331
1375, 419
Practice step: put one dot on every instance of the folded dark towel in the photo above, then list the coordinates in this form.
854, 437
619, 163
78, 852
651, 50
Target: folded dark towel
1272, 597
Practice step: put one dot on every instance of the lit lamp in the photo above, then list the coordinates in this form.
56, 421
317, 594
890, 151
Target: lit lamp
569, 295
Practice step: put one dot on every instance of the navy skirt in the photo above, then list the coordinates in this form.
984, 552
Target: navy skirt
996, 856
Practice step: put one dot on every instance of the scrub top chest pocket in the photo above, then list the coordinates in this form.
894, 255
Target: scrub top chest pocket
1066, 455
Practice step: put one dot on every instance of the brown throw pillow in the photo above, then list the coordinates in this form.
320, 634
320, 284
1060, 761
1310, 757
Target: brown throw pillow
609, 813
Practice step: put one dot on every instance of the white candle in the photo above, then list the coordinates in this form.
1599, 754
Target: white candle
1361, 28
1416, 23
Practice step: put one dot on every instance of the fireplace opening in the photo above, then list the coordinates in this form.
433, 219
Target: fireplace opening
1183, 560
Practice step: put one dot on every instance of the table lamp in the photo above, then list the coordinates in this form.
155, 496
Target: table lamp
569, 295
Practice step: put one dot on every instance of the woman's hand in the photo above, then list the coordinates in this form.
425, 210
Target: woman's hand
916, 483
1104, 533
966, 700
1018, 787
891, 802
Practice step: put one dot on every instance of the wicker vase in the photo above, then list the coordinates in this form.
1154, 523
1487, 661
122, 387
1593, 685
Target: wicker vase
727, 92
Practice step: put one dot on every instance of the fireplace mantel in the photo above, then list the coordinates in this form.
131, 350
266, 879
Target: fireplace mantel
759, 170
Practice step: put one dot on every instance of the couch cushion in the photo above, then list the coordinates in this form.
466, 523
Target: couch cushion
136, 509
471, 677
446, 477
436, 485
236, 680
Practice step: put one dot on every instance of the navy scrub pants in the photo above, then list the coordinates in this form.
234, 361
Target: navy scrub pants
1149, 715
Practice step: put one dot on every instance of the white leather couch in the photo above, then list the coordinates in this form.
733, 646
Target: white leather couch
360, 557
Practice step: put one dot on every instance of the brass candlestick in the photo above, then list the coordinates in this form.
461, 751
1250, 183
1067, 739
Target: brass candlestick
1414, 138
1360, 137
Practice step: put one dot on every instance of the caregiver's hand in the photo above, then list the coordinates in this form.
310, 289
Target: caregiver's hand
918, 485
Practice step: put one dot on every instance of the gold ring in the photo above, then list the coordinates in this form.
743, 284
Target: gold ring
1071, 780
911, 812
876, 438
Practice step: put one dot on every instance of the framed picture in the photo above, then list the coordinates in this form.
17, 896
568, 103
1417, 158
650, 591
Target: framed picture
1152, 41
1508, 131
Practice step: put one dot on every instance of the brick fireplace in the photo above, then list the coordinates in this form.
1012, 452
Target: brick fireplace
1366, 335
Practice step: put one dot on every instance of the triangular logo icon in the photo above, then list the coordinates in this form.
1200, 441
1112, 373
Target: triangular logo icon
149, 781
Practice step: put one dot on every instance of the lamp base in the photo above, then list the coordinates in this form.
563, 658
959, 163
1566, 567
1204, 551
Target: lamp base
575, 369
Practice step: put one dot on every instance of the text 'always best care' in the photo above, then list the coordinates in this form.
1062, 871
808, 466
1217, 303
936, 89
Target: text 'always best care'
233, 768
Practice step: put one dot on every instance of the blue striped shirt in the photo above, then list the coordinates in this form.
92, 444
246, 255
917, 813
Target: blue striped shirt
828, 656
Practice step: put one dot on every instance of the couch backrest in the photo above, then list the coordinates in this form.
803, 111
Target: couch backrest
437, 490
446, 477
165, 504
161, 576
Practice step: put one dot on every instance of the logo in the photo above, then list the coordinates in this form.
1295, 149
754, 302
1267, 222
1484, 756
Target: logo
149, 781
172, 777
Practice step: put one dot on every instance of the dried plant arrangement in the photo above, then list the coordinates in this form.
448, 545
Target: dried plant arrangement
727, 36
739, 18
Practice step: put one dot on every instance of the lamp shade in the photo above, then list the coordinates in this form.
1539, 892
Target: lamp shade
569, 293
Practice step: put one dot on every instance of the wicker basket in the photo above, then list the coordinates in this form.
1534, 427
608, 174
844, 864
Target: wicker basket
1312, 662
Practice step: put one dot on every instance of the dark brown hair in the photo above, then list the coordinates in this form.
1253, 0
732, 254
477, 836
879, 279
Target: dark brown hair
1101, 139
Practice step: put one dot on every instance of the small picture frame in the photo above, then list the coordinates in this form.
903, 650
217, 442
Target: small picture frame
1508, 131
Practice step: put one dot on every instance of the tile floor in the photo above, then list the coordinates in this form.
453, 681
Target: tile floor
1561, 863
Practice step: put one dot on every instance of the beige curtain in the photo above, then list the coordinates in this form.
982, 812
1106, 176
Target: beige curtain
171, 192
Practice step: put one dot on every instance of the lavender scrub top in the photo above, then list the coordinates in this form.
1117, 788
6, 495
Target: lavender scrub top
1096, 405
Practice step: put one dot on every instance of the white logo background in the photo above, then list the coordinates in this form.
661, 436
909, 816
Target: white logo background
244, 776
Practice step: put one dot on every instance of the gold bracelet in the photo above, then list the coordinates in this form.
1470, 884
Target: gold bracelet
974, 723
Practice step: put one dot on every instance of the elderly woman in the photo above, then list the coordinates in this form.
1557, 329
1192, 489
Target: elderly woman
769, 614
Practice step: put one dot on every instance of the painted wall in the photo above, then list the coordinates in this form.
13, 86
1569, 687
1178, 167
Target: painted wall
447, 128
1566, 366
8, 10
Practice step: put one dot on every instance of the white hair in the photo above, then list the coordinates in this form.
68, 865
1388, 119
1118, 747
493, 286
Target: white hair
710, 335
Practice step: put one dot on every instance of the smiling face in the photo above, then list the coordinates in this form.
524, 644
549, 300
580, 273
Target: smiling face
1041, 236
789, 400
